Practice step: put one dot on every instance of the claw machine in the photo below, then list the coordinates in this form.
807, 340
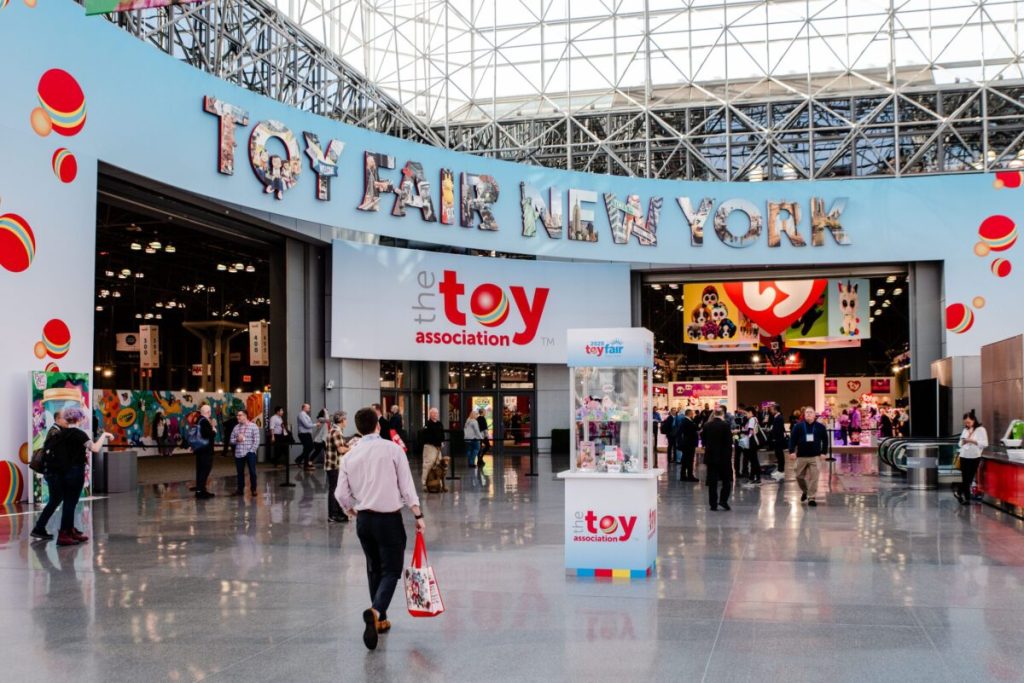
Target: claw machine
611, 487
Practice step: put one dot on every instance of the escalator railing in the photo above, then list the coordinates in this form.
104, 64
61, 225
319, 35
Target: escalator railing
893, 451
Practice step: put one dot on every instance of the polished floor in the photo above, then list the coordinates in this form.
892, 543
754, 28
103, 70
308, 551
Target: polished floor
877, 584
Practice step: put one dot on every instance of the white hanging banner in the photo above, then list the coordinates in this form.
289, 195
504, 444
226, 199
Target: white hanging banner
149, 346
259, 351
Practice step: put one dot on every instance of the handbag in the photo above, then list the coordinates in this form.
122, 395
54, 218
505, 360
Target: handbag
38, 461
422, 594
744, 442
956, 462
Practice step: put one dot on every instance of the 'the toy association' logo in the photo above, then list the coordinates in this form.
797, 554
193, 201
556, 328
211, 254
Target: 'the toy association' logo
601, 348
489, 304
587, 527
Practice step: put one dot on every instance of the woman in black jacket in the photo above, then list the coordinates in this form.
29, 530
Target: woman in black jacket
65, 474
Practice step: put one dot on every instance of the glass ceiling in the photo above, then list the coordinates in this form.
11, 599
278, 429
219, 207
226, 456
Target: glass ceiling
473, 60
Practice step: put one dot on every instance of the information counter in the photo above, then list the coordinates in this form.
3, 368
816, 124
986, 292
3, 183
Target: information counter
1000, 479
611, 489
611, 523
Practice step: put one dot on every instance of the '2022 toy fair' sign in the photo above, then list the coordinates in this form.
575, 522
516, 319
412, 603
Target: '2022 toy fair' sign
467, 308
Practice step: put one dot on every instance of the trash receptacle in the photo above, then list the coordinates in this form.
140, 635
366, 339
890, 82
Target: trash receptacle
922, 467
122, 471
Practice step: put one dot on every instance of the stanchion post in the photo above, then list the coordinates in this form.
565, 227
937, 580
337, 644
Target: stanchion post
533, 456
287, 467
451, 462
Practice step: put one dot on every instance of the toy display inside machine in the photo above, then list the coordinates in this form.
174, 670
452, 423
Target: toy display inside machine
609, 406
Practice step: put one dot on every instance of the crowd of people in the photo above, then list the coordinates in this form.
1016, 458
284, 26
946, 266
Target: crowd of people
369, 478
732, 444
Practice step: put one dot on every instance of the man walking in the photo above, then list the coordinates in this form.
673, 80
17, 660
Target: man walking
808, 440
717, 440
334, 449
278, 437
687, 435
374, 483
304, 427
777, 434
433, 440
204, 454
245, 437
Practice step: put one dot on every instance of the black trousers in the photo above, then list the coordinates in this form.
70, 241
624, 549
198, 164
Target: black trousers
689, 453
307, 448
64, 488
719, 475
333, 506
968, 468
382, 535
204, 465
780, 458
753, 462
279, 450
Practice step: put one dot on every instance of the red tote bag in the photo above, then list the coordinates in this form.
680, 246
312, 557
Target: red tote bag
422, 594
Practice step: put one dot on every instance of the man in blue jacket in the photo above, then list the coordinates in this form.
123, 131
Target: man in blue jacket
809, 440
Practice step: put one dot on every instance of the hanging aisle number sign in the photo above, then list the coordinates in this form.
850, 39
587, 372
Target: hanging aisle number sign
149, 347
259, 350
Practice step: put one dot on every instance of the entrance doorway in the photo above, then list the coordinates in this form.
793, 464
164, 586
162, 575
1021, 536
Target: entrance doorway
503, 394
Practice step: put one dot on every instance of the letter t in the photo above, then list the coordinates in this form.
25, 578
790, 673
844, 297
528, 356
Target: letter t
451, 289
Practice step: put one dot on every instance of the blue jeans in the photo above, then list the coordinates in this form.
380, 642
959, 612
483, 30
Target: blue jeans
472, 451
240, 465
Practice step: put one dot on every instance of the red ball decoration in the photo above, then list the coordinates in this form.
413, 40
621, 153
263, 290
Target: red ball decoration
62, 99
56, 338
489, 305
1001, 267
959, 318
998, 232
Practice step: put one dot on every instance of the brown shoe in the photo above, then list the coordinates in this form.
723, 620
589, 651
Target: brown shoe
371, 630
383, 626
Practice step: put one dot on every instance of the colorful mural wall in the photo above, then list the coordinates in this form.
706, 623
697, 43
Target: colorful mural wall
130, 415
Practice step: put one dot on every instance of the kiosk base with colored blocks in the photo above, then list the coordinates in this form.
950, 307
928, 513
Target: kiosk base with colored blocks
611, 524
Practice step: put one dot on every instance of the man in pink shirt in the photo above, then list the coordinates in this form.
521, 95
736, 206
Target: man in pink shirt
374, 483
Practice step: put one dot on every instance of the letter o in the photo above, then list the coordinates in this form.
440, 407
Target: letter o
754, 220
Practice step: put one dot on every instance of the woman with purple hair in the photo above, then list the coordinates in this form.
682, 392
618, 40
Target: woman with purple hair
65, 474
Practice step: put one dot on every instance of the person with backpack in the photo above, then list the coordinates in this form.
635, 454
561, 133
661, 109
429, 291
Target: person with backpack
65, 461
201, 436
335, 448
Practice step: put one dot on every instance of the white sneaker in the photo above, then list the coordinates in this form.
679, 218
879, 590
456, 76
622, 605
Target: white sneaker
778, 475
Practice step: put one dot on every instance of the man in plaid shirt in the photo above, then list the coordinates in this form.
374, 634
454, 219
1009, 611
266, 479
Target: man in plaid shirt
334, 448
246, 439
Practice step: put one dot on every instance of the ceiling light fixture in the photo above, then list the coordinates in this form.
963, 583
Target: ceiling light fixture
155, 245
150, 250
250, 268
170, 249
125, 272
221, 266
136, 246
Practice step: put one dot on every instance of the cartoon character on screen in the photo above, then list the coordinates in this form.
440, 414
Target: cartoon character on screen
774, 350
848, 307
709, 297
699, 320
709, 328
720, 317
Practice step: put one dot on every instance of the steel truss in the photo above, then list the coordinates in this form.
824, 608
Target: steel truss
705, 89
454, 73
251, 44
